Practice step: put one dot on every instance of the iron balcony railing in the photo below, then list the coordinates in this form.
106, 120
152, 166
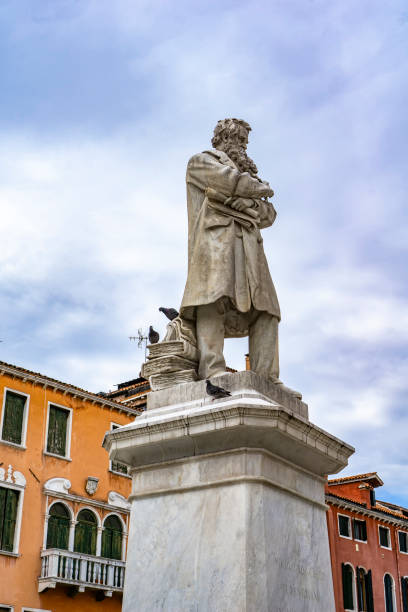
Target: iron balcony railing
83, 571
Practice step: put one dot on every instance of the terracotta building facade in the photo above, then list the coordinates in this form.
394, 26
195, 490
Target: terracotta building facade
368, 545
63, 506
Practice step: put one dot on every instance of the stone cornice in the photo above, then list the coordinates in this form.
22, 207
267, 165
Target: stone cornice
236, 421
370, 512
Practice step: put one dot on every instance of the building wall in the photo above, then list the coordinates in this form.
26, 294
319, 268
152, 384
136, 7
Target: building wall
369, 555
90, 420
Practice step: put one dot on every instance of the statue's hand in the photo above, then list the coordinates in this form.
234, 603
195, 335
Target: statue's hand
241, 204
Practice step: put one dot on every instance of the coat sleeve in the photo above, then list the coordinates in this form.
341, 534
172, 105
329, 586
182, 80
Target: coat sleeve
204, 170
267, 213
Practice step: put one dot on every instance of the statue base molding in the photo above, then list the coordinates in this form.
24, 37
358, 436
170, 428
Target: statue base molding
227, 504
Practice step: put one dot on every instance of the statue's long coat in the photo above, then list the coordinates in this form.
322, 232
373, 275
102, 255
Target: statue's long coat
226, 260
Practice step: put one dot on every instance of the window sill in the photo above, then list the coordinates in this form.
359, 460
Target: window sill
404, 552
56, 456
385, 547
13, 444
345, 538
119, 474
9, 554
360, 541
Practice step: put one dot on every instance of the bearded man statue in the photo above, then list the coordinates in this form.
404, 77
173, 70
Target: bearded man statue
229, 292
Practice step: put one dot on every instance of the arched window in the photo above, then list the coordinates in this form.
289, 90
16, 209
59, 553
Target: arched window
389, 593
85, 533
364, 590
112, 538
58, 527
348, 587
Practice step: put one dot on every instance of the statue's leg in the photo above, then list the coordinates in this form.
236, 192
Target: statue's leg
263, 345
210, 340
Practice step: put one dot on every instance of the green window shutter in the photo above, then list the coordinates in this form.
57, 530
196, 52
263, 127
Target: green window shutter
13, 417
3, 493
404, 589
85, 533
360, 590
112, 538
8, 516
370, 595
389, 602
58, 527
106, 544
347, 575
57, 430
402, 538
116, 544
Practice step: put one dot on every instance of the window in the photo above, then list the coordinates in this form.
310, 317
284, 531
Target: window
9, 499
116, 466
58, 435
404, 591
364, 590
14, 417
384, 534
6, 608
389, 593
348, 590
360, 530
403, 541
344, 526
58, 527
85, 533
112, 538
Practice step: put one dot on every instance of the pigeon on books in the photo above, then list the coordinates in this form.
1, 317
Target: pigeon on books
171, 313
154, 336
216, 392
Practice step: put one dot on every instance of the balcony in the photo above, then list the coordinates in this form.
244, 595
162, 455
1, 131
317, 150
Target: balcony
80, 571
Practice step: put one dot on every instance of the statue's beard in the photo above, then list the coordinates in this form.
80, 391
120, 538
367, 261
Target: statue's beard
241, 160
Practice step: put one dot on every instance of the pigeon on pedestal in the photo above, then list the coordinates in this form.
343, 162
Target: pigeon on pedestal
216, 392
171, 313
154, 336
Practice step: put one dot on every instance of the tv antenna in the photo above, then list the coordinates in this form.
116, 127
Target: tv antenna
141, 340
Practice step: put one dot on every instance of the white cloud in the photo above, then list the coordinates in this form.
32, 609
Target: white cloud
93, 229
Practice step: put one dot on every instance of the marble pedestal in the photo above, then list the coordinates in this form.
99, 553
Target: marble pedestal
228, 509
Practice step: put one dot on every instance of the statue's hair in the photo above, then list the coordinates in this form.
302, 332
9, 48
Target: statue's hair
227, 125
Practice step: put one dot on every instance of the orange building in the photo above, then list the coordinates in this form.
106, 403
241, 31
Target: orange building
368, 546
63, 509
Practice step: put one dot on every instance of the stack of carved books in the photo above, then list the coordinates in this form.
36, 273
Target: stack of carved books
173, 361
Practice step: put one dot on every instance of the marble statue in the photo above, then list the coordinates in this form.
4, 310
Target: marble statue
228, 473
229, 291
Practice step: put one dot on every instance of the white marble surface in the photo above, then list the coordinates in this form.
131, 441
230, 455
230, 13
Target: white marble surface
238, 532
227, 504
235, 382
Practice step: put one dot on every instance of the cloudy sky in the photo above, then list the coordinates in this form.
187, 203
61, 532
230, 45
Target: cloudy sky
102, 104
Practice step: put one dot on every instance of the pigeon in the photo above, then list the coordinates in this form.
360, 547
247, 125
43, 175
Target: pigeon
171, 313
216, 392
154, 336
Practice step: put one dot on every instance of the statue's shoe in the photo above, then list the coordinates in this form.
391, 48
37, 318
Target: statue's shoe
277, 381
